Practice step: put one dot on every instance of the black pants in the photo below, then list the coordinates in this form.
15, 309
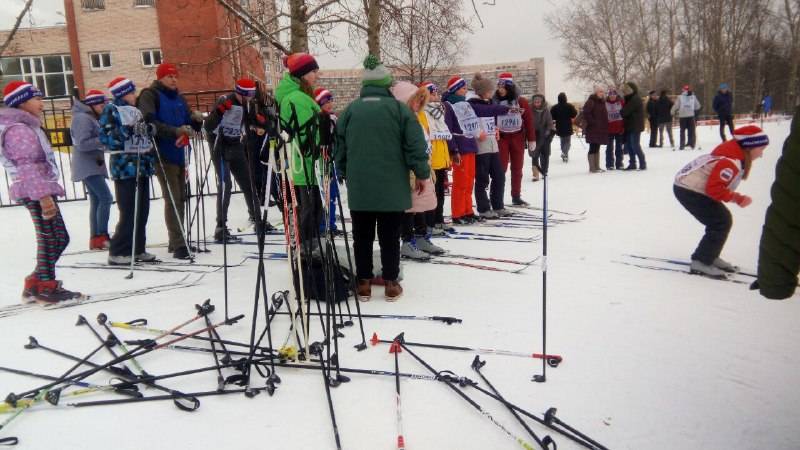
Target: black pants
489, 174
653, 131
711, 213
725, 120
687, 127
230, 159
417, 224
309, 212
614, 151
388, 224
122, 241
441, 175
594, 148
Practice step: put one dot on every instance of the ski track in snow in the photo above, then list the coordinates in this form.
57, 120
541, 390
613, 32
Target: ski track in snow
652, 359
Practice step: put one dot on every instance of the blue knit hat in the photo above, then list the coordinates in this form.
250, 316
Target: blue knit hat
723, 86
19, 92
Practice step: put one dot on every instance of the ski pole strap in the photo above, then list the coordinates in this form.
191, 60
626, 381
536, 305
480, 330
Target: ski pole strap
9, 441
185, 402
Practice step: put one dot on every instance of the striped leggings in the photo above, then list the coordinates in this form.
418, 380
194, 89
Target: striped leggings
51, 240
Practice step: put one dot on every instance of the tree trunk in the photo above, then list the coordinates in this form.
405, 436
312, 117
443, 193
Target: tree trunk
374, 27
298, 27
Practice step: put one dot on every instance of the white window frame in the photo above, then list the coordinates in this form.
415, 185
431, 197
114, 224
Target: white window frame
151, 51
102, 67
38, 77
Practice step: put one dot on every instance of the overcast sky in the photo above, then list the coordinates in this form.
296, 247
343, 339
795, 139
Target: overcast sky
514, 31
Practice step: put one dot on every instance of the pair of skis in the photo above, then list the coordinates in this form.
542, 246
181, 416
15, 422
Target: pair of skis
681, 266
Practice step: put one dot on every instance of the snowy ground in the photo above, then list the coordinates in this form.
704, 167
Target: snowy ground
652, 359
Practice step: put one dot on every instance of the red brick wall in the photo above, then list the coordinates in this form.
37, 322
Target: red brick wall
189, 33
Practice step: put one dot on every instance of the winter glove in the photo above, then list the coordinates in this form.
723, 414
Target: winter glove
197, 116
742, 200
186, 130
49, 209
182, 141
224, 106
261, 119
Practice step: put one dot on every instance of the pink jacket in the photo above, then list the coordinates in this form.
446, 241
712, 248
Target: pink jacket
26, 154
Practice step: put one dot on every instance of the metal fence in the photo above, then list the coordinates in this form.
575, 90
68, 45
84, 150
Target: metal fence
56, 121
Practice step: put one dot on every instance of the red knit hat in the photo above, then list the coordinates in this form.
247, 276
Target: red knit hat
246, 87
121, 86
505, 78
300, 64
750, 136
165, 69
94, 97
322, 96
430, 86
455, 83
19, 92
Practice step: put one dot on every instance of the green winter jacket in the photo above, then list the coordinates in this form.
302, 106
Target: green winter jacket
633, 110
779, 250
291, 98
379, 142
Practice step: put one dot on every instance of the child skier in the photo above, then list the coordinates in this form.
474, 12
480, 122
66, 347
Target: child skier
705, 183
489, 172
441, 141
30, 163
89, 164
327, 138
125, 133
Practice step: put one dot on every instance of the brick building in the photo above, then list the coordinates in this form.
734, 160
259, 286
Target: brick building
529, 76
104, 39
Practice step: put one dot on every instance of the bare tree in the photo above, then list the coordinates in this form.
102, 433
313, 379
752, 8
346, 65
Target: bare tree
422, 37
651, 45
790, 16
599, 44
15, 27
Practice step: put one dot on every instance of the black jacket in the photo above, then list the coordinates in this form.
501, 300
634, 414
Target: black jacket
652, 110
664, 109
563, 113
633, 111
779, 250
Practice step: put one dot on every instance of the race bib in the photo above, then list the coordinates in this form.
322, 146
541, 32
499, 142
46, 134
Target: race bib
231, 123
138, 140
510, 123
467, 120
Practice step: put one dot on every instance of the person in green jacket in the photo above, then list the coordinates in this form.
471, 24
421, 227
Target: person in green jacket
379, 142
779, 250
299, 115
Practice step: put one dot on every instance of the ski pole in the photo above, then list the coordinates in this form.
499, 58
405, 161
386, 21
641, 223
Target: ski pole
543, 376
477, 365
109, 342
159, 397
316, 349
524, 444
444, 319
75, 383
552, 360
136, 201
102, 319
396, 349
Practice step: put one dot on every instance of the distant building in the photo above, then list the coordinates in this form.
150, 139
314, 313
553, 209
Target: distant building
529, 76
104, 39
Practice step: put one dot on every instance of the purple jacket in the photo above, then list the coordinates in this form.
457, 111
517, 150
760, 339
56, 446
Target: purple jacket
27, 156
467, 144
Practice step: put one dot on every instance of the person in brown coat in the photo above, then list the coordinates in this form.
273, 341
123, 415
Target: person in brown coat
596, 129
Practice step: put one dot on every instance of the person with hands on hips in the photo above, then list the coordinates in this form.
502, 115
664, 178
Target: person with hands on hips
709, 181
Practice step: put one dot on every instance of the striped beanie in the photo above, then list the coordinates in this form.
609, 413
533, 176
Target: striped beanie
300, 64
455, 83
19, 92
750, 136
430, 86
375, 73
246, 87
121, 86
322, 96
94, 97
505, 79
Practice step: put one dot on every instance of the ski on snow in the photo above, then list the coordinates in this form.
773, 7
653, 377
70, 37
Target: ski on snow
679, 270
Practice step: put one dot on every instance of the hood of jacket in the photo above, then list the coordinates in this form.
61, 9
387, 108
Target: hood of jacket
729, 149
544, 102
78, 107
634, 87
562, 98
287, 85
9, 116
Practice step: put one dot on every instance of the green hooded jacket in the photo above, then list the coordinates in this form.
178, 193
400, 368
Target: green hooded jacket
291, 98
379, 142
779, 250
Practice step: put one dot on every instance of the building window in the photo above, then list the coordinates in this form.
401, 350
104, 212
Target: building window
144, 3
151, 58
52, 74
100, 61
93, 4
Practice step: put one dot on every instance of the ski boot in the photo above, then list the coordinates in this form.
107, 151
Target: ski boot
424, 243
410, 250
699, 268
725, 266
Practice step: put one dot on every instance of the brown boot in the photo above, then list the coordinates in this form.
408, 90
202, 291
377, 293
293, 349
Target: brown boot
392, 291
364, 291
